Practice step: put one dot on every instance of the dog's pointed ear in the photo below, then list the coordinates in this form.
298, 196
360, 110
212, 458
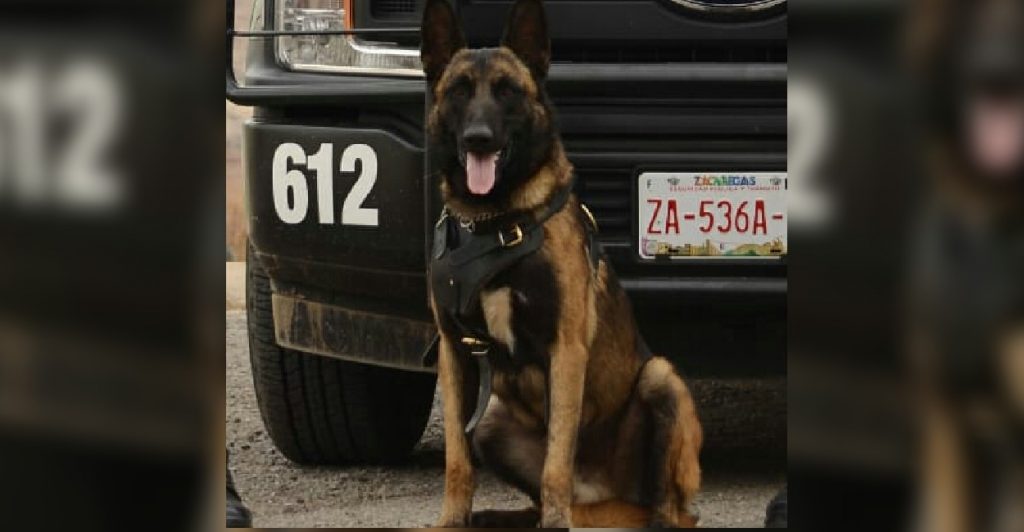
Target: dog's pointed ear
441, 37
526, 34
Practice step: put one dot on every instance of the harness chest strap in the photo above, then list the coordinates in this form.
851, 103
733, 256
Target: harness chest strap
464, 260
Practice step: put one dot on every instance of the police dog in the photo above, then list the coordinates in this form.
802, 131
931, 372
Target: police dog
596, 433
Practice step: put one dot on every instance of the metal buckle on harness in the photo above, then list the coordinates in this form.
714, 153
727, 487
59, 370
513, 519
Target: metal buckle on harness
476, 346
518, 239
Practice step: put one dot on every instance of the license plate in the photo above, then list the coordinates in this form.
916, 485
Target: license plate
687, 215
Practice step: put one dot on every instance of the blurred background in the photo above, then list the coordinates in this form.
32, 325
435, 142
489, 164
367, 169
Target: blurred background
906, 309
111, 241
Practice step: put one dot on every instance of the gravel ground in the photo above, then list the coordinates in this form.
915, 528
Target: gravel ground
743, 462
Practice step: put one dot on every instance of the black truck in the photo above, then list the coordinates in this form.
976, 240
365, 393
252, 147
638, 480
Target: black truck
672, 111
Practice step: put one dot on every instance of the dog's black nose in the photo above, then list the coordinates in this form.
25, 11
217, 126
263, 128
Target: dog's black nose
477, 136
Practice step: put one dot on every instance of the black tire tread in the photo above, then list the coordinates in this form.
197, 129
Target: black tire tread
319, 410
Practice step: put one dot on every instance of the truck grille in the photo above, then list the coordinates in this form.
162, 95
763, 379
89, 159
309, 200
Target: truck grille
683, 53
383, 9
608, 193
748, 134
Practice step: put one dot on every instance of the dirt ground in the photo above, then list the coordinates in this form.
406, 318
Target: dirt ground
236, 231
743, 464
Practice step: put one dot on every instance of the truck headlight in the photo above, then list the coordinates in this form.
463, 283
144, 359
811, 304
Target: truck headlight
337, 53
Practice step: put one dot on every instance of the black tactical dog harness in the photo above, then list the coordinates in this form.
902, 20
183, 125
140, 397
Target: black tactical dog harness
466, 256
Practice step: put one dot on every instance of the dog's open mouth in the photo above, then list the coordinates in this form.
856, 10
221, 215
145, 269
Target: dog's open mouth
481, 170
996, 134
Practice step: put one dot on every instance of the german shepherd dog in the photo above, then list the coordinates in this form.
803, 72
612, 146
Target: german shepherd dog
968, 319
592, 429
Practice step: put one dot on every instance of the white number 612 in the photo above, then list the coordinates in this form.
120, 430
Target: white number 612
291, 191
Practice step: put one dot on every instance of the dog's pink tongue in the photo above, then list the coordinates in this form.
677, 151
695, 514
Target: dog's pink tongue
480, 172
997, 135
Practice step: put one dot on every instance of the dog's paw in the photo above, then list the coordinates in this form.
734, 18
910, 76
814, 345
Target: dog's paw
555, 519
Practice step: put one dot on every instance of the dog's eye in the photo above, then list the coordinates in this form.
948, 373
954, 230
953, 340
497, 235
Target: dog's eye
461, 88
504, 88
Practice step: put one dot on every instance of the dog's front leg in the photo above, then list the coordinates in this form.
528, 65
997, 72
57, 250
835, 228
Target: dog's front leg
458, 480
565, 383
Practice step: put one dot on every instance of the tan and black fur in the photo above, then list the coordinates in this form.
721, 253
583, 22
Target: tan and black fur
593, 433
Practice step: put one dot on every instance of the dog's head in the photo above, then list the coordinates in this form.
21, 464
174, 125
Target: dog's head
490, 125
990, 71
971, 55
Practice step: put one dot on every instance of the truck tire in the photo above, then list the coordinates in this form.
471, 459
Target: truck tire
320, 410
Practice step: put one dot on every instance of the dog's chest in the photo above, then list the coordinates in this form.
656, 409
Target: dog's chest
496, 306
520, 309
520, 379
